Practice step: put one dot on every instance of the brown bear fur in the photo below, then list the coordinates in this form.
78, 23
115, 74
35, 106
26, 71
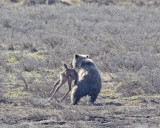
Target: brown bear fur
89, 79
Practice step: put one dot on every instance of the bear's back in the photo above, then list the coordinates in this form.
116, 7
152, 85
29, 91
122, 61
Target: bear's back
89, 76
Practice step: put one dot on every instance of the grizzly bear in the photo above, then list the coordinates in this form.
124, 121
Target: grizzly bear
89, 79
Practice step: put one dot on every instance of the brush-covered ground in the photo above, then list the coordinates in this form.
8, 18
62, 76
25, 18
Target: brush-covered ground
123, 41
140, 3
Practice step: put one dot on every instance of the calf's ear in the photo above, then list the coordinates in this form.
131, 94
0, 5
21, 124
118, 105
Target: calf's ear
71, 65
65, 65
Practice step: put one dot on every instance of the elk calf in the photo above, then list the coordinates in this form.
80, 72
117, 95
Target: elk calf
68, 75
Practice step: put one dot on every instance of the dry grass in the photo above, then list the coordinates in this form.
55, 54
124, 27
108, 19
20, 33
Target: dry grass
139, 3
35, 42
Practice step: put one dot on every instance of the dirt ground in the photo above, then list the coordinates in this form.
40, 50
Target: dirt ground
111, 110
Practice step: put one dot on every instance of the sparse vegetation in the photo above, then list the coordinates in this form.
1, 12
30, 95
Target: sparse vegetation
122, 37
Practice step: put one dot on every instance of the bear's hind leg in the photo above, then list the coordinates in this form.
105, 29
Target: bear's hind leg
75, 100
93, 98
75, 97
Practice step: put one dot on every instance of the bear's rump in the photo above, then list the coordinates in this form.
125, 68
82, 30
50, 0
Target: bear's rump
88, 85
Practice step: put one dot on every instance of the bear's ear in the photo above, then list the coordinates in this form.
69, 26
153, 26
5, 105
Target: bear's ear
87, 56
76, 56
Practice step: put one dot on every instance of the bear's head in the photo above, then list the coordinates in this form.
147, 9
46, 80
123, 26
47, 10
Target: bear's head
77, 60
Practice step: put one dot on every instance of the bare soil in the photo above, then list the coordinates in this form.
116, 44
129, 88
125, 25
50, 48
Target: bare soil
110, 110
